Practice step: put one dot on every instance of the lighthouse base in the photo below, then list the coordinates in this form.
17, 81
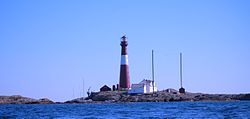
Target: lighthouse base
124, 89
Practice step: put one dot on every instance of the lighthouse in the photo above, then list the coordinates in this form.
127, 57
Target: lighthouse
124, 83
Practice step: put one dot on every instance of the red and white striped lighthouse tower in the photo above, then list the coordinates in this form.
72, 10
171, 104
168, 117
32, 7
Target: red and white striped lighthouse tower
124, 83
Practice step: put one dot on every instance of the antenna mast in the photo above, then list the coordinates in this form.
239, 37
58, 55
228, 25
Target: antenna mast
181, 68
83, 87
181, 90
153, 75
73, 93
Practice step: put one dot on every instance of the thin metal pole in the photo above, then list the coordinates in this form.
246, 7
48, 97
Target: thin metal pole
73, 93
153, 75
181, 68
83, 87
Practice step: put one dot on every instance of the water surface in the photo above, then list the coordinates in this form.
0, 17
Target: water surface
237, 109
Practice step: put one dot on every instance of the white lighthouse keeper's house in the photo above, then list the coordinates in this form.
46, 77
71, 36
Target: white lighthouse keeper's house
145, 86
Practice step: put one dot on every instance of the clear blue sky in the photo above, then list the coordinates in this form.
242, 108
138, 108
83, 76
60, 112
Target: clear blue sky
47, 48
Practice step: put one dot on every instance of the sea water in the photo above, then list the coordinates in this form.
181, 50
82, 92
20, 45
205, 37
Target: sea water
227, 110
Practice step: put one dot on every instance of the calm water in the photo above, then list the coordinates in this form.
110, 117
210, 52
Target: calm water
170, 110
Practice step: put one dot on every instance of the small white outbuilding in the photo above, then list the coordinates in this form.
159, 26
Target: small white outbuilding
145, 86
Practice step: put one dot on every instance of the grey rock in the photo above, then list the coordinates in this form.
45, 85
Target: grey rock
168, 95
17, 99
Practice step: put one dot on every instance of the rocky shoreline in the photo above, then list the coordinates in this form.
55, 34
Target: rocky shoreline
169, 95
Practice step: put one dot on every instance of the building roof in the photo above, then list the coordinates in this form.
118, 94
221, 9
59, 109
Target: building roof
145, 81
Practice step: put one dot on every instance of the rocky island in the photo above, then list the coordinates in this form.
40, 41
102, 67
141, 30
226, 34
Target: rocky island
17, 99
169, 95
